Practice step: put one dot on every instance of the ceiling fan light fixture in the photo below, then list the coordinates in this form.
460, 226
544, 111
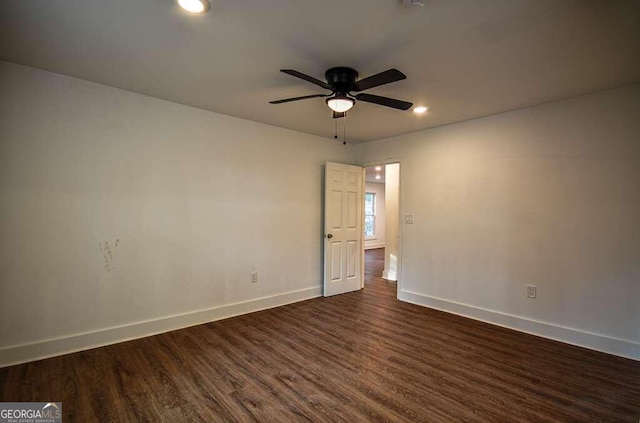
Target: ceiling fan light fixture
340, 104
195, 6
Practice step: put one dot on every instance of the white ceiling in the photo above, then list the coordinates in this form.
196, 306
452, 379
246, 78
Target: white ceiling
463, 58
371, 172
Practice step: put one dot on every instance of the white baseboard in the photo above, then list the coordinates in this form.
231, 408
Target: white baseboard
373, 245
389, 275
594, 341
83, 341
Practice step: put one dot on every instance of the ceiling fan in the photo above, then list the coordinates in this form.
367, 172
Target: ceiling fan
342, 82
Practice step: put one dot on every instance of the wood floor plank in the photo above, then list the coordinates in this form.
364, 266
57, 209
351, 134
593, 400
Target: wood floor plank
362, 356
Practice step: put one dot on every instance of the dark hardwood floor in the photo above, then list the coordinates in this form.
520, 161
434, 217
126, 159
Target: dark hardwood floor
362, 356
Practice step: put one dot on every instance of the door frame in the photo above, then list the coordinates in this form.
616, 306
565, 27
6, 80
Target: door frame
382, 162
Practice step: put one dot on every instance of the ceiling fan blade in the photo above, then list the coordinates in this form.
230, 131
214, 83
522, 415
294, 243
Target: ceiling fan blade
337, 115
306, 78
286, 100
384, 101
386, 77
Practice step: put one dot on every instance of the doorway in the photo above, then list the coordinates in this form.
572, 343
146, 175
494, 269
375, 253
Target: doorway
381, 223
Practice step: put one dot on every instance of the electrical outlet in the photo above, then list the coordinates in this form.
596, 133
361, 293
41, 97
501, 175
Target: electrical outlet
408, 219
254, 277
532, 291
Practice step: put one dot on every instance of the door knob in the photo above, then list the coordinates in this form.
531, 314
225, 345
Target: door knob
329, 236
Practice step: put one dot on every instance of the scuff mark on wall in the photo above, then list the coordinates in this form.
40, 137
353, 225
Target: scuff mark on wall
108, 253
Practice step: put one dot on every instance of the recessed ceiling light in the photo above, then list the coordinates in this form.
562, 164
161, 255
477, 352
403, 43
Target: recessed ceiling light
195, 6
377, 176
378, 168
419, 109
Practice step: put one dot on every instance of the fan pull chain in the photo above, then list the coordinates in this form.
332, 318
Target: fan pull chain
335, 130
344, 130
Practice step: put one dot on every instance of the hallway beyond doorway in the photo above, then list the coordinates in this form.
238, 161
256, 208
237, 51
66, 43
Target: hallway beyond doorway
373, 268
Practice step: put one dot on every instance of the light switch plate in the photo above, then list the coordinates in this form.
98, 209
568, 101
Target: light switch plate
532, 291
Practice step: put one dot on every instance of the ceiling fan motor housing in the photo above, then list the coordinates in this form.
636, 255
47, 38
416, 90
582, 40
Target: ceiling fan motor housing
341, 79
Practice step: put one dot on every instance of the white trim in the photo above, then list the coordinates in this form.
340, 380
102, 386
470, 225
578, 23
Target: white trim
374, 245
390, 275
83, 341
620, 347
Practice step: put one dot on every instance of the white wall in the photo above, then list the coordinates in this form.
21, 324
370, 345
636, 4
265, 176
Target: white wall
549, 196
378, 190
124, 215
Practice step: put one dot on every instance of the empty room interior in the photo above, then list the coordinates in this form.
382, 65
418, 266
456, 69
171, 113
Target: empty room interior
327, 211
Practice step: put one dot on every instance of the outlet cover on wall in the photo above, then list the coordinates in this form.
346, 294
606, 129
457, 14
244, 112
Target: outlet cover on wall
254, 277
408, 219
532, 291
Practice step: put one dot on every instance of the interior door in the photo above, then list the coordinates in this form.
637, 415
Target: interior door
343, 230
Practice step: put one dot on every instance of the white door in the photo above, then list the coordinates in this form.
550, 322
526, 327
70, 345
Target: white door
343, 231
